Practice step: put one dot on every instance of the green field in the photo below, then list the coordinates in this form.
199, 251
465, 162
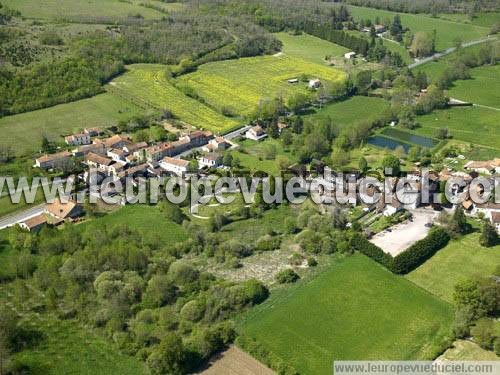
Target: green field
24, 132
254, 155
486, 19
309, 48
148, 220
483, 88
57, 9
447, 31
240, 84
474, 125
69, 349
148, 82
459, 260
351, 111
353, 310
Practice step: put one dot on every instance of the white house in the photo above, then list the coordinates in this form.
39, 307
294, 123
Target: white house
78, 139
256, 133
349, 55
177, 166
314, 83
210, 160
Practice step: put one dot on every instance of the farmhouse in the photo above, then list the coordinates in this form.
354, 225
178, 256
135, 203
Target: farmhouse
220, 143
51, 161
34, 224
78, 139
349, 55
256, 133
116, 141
63, 210
210, 160
101, 163
314, 83
177, 166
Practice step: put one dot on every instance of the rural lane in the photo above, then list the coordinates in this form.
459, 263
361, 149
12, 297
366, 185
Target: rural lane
449, 50
18, 217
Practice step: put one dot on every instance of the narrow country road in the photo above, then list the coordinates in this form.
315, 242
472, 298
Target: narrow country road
13, 219
449, 50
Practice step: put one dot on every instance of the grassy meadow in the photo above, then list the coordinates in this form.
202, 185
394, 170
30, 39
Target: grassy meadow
309, 48
351, 111
474, 125
447, 31
483, 88
314, 322
239, 85
148, 83
68, 9
463, 350
459, 260
261, 156
24, 132
146, 219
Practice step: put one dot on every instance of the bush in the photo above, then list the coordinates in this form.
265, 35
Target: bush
420, 251
287, 276
267, 243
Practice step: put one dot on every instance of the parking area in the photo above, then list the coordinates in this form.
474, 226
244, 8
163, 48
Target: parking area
398, 238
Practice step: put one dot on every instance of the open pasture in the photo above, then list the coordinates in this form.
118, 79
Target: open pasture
482, 88
69, 9
148, 83
148, 220
446, 31
309, 48
460, 259
351, 111
24, 132
239, 85
314, 322
474, 125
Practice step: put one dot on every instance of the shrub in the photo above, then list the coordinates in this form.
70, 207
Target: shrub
420, 251
287, 276
267, 243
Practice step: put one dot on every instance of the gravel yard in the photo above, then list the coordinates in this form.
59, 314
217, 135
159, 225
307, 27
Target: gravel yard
402, 236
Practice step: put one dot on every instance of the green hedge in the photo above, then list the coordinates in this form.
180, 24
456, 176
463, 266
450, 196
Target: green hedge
408, 260
360, 243
420, 251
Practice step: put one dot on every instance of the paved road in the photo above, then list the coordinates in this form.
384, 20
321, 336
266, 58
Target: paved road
450, 50
13, 219
236, 133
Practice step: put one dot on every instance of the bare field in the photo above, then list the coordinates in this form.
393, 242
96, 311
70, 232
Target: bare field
235, 361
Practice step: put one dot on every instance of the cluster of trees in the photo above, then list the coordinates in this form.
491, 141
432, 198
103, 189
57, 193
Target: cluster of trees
476, 309
141, 294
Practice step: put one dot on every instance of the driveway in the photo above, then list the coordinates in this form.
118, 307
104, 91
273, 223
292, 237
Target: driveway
403, 235
13, 219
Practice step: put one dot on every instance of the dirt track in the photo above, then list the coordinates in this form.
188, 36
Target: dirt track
234, 361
